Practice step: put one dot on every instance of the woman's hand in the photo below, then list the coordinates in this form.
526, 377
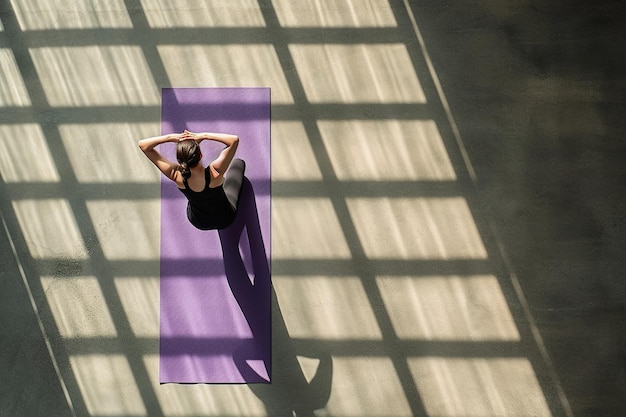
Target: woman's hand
186, 135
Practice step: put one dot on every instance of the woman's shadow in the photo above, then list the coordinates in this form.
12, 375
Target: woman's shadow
289, 390
251, 291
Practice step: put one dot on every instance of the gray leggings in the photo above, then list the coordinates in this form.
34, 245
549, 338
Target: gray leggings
233, 180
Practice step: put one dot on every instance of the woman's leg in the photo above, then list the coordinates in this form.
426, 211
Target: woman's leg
233, 180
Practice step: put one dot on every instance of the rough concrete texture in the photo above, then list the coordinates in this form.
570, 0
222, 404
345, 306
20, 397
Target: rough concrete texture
447, 224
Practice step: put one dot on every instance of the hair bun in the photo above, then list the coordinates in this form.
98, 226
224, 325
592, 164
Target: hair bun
188, 156
184, 170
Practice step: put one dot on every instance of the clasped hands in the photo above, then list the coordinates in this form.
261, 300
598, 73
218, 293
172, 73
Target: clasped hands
187, 135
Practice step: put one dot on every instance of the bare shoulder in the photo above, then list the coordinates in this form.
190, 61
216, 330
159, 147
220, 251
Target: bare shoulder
177, 177
215, 176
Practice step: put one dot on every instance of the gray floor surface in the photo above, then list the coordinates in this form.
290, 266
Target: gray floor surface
536, 90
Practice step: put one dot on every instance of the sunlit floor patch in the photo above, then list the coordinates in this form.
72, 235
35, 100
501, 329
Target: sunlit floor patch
50, 229
107, 152
334, 13
77, 14
360, 73
494, 387
392, 150
107, 385
12, 89
78, 307
365, 386
250, 65
306, 228
324, 307
19, 141
95, 76
140, 299
459, 308
126, 229
202, 13
203, 400
416, 228
292, 155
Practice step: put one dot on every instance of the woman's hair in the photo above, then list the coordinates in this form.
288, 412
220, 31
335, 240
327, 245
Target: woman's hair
188, 155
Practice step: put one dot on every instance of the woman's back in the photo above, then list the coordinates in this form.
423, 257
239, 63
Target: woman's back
208, 208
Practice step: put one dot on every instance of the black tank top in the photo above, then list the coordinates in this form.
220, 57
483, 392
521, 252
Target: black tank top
208, 209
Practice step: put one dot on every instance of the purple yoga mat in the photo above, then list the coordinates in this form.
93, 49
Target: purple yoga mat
215, 324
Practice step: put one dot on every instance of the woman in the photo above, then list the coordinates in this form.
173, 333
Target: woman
213, 191
214, 197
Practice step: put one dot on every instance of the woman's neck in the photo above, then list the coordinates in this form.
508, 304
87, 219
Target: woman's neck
198, 168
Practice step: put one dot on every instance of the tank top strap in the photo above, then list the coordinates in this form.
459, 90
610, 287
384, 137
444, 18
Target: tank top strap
207, 179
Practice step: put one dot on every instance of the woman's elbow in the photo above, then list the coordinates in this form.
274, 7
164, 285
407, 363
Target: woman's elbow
142, 145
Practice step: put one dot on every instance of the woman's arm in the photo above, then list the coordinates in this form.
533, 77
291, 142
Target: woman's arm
147, 145
221, 163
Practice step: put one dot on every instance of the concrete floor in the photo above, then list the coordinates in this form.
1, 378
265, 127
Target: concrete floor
448, 204
537, 91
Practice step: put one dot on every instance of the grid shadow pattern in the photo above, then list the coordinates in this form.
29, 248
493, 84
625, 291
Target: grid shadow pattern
101, 341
